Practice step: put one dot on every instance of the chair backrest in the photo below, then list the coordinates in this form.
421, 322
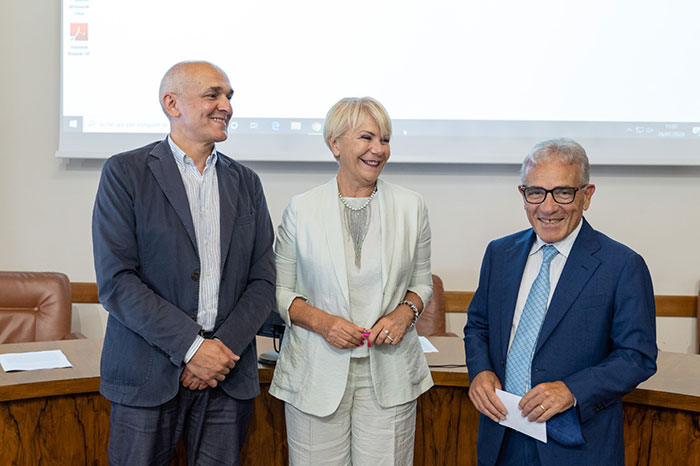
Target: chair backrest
697, 314
432, 321
34, 306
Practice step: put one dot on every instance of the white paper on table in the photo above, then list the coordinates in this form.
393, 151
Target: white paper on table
34, 360
427, 346
515, 420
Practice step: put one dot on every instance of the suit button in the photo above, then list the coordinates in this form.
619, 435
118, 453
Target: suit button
195, 275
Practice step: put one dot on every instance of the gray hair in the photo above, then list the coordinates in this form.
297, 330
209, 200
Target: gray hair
348, 113
562, 149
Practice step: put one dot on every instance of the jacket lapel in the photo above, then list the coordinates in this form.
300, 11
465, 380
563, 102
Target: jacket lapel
229, 184
332, 223
387, 209
164, 168
513, 267
579, 268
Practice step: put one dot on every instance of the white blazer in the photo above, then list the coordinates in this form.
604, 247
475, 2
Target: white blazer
310, 257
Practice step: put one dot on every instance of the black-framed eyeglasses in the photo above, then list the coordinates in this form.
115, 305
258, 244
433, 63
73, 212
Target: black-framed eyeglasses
560, 194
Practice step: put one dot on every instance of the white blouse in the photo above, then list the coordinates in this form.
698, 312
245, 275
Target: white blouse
365, 283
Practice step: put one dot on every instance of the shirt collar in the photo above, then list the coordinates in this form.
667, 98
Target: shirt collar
183, 159
564, 246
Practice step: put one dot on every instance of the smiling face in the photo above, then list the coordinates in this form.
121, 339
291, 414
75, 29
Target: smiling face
199, 108
551, 221
362, 154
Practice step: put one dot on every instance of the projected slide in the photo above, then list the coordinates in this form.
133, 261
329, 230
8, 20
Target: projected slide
464, 81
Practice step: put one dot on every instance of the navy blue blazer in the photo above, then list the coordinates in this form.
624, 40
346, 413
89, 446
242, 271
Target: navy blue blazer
598, 337
147, 268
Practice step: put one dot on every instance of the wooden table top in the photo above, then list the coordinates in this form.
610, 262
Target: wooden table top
83, 377
676, 385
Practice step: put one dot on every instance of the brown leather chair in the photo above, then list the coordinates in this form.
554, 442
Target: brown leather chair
432, 321
35, 306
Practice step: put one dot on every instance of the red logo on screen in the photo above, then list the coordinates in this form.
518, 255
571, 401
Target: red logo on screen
79, 31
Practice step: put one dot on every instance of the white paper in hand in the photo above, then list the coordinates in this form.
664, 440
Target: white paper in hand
515, 420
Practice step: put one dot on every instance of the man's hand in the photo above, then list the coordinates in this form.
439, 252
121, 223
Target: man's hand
191, 381
482, 392
212, 361
545, 400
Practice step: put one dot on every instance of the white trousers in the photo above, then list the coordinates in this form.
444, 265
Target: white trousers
358, 433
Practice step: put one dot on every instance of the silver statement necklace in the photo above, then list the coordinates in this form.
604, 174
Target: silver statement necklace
357, 223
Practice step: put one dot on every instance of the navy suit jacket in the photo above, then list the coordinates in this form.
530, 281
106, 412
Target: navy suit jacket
147, 267
598, 337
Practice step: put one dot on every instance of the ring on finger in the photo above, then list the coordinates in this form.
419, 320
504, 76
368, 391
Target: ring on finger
389, 338
543, 408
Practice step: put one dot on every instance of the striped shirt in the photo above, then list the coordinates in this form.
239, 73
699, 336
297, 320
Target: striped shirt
203, 196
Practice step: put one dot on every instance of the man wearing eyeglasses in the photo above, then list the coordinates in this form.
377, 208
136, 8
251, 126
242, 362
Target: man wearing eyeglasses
563, 316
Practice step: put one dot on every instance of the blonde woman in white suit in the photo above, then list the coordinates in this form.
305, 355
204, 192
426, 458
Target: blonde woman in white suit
353, 276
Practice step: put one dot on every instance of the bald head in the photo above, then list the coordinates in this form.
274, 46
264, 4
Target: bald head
196, 97
180, 75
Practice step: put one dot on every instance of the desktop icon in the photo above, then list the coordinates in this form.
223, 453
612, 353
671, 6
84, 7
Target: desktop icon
78, 31
275, 126
316, 126
295, 125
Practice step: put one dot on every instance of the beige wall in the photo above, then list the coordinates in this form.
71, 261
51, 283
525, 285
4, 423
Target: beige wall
45, 203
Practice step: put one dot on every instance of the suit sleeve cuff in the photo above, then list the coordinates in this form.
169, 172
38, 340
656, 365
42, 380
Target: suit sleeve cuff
193, 348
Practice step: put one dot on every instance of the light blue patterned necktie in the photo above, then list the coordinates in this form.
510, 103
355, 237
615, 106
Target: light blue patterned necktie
519, 360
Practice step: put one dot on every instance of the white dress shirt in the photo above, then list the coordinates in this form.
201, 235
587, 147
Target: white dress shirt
532, 268
203, 196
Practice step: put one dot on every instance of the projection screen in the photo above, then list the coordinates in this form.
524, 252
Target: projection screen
464, 81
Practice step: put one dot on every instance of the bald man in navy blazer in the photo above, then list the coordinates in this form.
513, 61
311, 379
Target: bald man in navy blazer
597, 340
183, 253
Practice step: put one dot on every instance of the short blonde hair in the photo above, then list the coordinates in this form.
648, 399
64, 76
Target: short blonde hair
349, 113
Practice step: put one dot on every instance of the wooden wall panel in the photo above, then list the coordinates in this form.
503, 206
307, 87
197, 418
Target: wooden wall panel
660, 436
60, 430
74, 430
84, 292
446, 428
458, 301
267, 437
